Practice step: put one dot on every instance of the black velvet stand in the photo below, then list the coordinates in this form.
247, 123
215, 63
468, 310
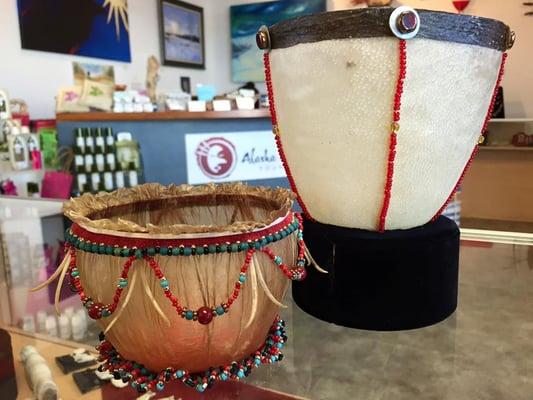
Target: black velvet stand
8, 380
389, 281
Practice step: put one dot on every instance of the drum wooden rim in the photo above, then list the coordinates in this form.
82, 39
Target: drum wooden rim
374, 22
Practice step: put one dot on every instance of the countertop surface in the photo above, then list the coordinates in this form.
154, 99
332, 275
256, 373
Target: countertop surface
483, 351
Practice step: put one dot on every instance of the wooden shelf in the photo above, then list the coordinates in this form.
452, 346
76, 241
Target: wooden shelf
511, 120
163, 115
506, 148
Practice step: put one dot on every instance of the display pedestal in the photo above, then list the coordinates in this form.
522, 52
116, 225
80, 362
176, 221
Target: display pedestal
8, 380
395, 280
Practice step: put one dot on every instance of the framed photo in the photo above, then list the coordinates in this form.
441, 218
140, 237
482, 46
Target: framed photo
182, 34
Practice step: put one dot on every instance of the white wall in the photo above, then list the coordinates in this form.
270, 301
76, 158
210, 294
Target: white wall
36, 76
220, 29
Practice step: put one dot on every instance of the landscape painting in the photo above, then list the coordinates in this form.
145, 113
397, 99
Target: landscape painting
182, 34
246, 19
90, 28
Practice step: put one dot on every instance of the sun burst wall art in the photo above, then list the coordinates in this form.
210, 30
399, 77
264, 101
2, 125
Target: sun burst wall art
90, 28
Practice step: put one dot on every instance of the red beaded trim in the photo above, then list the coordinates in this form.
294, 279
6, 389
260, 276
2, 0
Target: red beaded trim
393, 136
122, 241
95, 309
144, 380
483, 133
270, 89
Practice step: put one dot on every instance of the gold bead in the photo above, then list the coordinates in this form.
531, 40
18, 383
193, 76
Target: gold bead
275, 130
481, 140
395, 127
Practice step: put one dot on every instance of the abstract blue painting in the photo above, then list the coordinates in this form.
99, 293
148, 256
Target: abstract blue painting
90, 28
246, 19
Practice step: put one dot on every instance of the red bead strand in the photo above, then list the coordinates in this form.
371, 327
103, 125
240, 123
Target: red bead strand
476, 147
270, 90
204, 314
96, 310
393, 135
299, 273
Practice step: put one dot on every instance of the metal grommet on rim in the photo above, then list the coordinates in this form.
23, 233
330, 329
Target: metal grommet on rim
511, 37
262, 38
404, 22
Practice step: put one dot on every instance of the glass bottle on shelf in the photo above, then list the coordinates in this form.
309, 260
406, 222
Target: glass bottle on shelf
81, 178
133, 178
89, 162
99, 159
111, 159
34, 150
79, 159
119, 179
100, 141
80, 139
108, 179
109, 138
95, 178
18, 150
33, 142
89, 140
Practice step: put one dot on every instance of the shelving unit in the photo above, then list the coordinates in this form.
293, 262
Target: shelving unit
501, 131
499, 185
506, 148
163, 115
162, 135
510, 120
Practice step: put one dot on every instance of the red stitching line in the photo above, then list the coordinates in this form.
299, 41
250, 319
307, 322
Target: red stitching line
393, 136
270, 89
483, 133
120, 241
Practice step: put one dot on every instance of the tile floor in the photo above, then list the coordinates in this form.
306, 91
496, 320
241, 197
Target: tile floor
482, 352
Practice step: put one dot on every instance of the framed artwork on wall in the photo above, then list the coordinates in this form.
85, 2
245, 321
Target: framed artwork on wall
246, 19
90, 28
182, 34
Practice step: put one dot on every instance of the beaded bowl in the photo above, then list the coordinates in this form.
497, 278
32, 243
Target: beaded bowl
184, 278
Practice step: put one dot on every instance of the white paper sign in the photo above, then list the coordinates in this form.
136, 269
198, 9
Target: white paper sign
227, 157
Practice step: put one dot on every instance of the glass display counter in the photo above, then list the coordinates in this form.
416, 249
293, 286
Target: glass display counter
31, 235
483, 351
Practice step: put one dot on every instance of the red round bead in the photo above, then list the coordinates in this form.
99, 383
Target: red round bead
95, 311
301, 273
205, 315
105, 346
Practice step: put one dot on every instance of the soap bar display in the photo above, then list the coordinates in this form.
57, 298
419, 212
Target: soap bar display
101, 163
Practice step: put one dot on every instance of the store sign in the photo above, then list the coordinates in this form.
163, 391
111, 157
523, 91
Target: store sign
227, 157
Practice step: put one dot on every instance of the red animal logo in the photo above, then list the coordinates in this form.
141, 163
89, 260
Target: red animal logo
216, 157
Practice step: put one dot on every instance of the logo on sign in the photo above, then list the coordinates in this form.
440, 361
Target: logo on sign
216, 157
